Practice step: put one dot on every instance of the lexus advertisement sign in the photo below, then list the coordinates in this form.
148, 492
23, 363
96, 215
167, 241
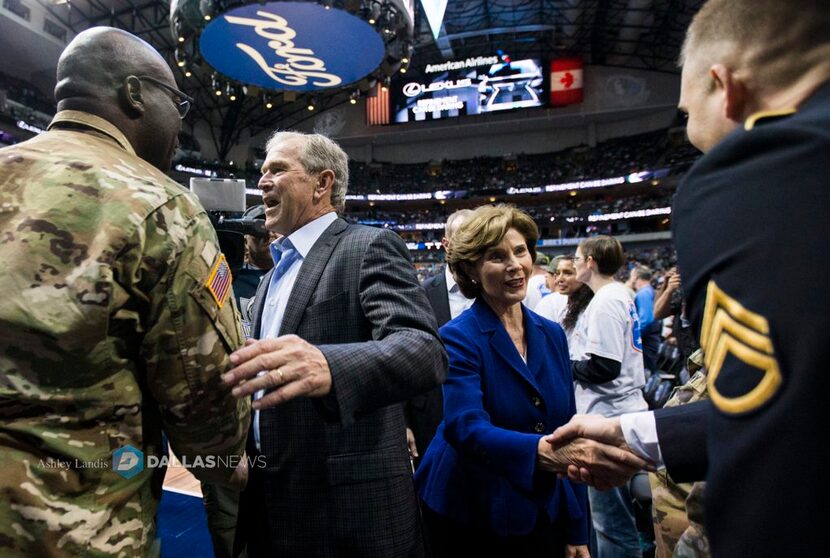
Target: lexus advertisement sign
473, 86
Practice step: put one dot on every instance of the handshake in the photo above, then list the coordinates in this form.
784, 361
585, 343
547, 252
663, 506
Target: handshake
590, 449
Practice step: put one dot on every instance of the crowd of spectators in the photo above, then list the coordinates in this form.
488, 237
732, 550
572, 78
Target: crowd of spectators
550, 212
612, 158
658, 258
616, 157
566, 218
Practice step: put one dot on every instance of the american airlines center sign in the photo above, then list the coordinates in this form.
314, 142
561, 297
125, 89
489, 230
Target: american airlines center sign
291, 46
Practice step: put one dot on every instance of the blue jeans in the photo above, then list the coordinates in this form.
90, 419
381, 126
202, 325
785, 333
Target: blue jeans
612, 513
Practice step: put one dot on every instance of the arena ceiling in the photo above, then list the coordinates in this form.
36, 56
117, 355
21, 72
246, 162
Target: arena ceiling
642, 34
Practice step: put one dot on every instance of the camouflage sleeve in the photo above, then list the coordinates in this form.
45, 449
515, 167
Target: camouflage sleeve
192, 327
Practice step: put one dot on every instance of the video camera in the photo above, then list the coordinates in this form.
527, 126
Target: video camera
224, 200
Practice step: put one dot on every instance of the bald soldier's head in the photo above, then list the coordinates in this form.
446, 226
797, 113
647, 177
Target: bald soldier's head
745, 56
104, 71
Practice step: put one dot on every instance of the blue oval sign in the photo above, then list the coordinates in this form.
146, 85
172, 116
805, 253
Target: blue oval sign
291, 46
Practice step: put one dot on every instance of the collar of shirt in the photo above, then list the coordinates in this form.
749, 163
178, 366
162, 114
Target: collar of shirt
452, 286
303, 238
96, 123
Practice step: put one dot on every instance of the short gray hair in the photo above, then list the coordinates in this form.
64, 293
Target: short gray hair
461, 214
642, 272
319, 153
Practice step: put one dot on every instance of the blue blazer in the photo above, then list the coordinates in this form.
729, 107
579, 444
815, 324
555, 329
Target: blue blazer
481, 466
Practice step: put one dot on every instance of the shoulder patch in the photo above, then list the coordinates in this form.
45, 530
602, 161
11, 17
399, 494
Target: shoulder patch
766, 115
209, 253
219, 281
728, 327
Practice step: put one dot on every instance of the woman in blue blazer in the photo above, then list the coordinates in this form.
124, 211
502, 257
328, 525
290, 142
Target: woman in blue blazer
483, 480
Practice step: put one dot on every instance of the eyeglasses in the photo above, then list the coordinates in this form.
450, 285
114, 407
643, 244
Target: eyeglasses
182, 103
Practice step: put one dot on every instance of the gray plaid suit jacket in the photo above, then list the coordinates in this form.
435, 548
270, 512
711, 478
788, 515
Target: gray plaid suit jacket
338, 480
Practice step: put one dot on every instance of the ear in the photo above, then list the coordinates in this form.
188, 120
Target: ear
131, 95
470, 271
324, 184
591, 263
445, 242
734, 92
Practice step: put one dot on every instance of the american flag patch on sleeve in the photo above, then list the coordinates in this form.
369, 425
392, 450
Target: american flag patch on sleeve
219, 281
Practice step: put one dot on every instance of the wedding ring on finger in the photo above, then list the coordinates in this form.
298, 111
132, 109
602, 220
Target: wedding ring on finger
281, 375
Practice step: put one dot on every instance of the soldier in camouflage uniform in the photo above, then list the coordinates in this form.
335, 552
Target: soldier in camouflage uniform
678, 508
115, 319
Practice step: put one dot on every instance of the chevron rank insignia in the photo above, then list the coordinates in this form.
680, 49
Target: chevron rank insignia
219, 281
729, 328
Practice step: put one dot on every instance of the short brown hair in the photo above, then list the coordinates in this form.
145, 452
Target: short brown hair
483, 229
774, 42
606, 251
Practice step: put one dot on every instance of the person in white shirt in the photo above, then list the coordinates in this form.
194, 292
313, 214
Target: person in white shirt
537, 287
566, 305
756, 88
608, 372
553, 305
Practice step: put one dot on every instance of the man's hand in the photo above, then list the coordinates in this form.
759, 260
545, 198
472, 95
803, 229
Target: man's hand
410, 443
595, 427
293, 368
579, 551
672, 280
607, 464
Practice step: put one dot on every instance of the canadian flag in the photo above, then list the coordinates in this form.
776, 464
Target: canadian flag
565, 81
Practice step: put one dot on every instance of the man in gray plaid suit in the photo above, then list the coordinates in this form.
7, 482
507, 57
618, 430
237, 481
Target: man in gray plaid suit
344, 335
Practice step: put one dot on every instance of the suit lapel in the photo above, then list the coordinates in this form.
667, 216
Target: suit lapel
310, 272
501, 342
259, 303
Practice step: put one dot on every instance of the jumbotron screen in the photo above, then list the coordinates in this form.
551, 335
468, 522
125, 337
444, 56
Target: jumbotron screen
473, 86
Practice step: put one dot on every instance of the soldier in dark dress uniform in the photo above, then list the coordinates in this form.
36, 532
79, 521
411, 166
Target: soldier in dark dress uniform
751, 235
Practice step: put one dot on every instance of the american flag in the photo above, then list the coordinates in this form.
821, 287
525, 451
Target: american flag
219, 282
377, 106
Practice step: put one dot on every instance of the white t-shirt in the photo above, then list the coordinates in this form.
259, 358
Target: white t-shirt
553, 307
536, 290
572, 344
610, 329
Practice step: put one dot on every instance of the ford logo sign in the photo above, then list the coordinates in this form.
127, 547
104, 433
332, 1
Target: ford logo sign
279, 45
